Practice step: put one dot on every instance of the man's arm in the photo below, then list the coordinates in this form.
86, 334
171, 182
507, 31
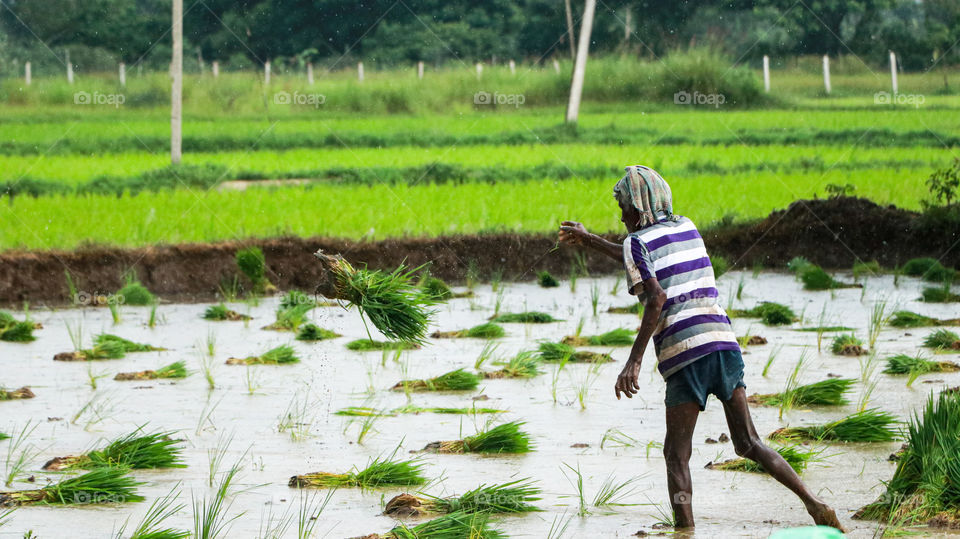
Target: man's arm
656, 297
574, 233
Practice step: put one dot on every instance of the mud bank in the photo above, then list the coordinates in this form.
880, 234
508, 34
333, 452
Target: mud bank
833, 233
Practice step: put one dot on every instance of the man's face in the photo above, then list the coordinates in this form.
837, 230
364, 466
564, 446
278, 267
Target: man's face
629, 216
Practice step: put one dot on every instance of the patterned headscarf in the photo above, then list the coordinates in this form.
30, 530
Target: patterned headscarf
644, 189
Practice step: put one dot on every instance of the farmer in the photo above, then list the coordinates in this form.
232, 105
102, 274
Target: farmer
697, 351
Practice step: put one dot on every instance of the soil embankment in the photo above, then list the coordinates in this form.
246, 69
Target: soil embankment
833, 233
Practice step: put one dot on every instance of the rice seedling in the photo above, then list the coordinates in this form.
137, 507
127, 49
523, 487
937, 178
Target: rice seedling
847, 345
380, 472
251, 378
531, 317
313, 332
861, 269
135, 450
615, 437
209, 513
16, 394
97, 409
19, 453
13, 330
938, 294
867, 426
829, 392
459, 524
553, 352
152, 319
361, 411
488, 330
159, 511
522, 365
128, 346
633, 308
868, 382
291, 318
772, 314
458, 380
207, 366
436, 289
614, 337
311, 507
610, 495
5, 517
281, 355
942, 339
98, 486
392, 303
798, 263
797, 456
221, 313
877, 319
908, 319
545, 280
254, 265
298, 417
917, 267
104, 350
134, 293
586, 383
4, 436
594, 297
177, 369
365, 345
504, 438
814, 277
750, 340
904, 364
512, 497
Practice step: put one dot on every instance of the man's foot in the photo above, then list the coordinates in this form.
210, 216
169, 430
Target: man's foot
825, 516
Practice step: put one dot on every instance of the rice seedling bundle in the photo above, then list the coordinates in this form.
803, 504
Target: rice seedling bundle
796, 456
938, 294
13, 330
904, 364
847, 345
814, 277
505, 438
488, 330
867, 426
513, 497
634, 308
313, 332
221, 312
531, 317
614, 337
929, 269
908, 319
436, 289
291, 318
458, 380
134, 293
296, 297
281, 355
390, 300
381, 472
751, 340
4, 436
253, 264
104, 350
865, 268
177, 369
132, 451
925, 486
522, 365
942, 339
545, 280
128, 346
772, 314
365, 345
101, 485
361, 411
797, 263
452, 526
15, 394
555, 352
829, 392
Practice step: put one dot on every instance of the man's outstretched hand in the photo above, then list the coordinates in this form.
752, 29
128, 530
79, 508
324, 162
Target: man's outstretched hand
572, 233
627, 381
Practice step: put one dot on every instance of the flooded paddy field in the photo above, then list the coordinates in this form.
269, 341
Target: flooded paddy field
279, 420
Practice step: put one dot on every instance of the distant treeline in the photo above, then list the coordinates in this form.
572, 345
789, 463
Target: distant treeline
240, 34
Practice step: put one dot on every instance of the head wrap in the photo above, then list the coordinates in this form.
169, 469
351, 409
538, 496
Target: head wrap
644, 189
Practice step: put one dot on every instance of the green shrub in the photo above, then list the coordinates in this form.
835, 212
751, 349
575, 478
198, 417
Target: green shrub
546, 280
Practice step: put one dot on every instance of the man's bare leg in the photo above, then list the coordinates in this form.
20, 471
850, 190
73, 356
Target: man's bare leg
677, 446
748, 444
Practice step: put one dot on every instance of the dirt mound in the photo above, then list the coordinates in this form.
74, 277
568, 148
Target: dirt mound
833, 233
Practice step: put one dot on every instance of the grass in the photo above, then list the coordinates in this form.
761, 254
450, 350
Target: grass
504, 438
772, 314
867, 426
908, 319
829, 392
436, 289
545, 280
929, 269
923, 485
512, 497
253, 265
453, 525
13, 330
104, 350
365, 345
522, 365
488, 330
134, 293
101, 485
938, 294
135, 450
531, 317
159, 511
614, 337
362, 411
313, 332
847, 345
380, 472
797, 456
175, 370
291, 317
221, 313
281, 355
458, 380
128, 346
633, 308
209, 513
552, 352
942, 339
814, 277
904, 364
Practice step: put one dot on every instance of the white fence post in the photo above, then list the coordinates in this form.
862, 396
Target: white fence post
479, 70
826, 73
893, 72
420, 70
27, 75
556, 66
176, 91
360, 71
513, 67
122, 72
766, 73
266, 72
310, 73
215, 68
580, 64
69, 67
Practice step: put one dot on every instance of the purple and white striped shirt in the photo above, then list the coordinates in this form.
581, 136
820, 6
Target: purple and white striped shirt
692, 324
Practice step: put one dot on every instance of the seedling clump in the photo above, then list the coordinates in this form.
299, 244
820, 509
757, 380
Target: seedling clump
546, 280
634, 308
102, 485
557, 352
458, 380
105, 350
254, 265
904, 364
453, 525
364, 345
505, 438
828, 392
523, 365
382, 472
488, 330
281, 355
796, 456
772, 314
531, 317
615, 337
128, 346
134, 451
177, 369
15, 394
513, 497
134, 293
313, 332
938, 294
866, 426
908, 319
847, 345
814, 277
221, 312
942, 339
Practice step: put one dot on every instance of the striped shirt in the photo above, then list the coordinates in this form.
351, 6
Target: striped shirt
692, 324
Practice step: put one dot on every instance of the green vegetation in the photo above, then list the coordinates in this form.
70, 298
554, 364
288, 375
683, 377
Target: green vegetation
134, 293
177, 369
814, 277
720, 265
313, 332
904, 364
102, 485
504, 438
134, 451
458, 380
929, 269
939, 294
797, 456
614, 337
436, 289
13, 330
908, 319
866, 426
128, 346
559, 352
513, 497
772, 314
488, 330
281, 355
253, 264
14, 394
364, 345
829, 392
942, 339
847, 345
381, 472
108, 349
546, 280
633, 308
531, 317
454, 525
221, 312
362, 411
522, 365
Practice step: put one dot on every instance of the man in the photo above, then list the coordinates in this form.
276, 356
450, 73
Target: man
697, 352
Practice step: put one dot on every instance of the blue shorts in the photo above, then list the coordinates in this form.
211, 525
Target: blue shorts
719, 373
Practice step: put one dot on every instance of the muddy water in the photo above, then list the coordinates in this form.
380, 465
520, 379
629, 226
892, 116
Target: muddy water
726, 504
